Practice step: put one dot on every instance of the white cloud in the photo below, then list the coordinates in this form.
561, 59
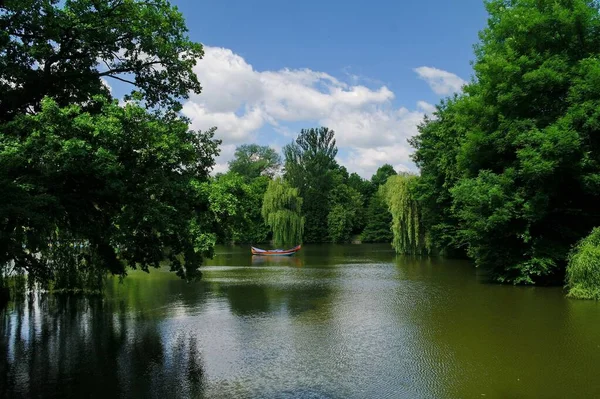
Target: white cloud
426, 107
240, 100
440, 81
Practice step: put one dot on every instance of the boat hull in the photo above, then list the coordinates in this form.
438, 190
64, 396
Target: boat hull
277, 252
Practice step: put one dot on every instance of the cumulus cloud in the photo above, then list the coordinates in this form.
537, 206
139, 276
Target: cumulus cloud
241, 100
441, 82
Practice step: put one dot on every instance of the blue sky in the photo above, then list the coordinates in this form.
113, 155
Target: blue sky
273, 67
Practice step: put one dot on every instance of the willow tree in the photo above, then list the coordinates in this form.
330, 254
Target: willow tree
281, 210
408, 234
583, 270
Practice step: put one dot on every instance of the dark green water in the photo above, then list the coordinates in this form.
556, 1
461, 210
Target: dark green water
333, 322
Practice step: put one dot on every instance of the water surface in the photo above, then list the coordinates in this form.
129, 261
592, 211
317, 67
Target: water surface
332, 322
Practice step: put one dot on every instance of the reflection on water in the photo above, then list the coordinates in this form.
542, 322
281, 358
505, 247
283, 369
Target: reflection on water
292, 261
331, 322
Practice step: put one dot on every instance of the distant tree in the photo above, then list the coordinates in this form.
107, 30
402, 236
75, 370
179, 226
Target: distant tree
253, 160
309, 166
382, 174
409, 236
236, 205
379, 220
282, 211
345, 210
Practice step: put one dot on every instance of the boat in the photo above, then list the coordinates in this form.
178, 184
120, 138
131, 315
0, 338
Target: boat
275, 252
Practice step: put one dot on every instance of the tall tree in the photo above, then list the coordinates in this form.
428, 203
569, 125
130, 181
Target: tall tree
253, 160
74, 165
345, 212
409, 236
379, 220
518, 153
309, 166
282, 211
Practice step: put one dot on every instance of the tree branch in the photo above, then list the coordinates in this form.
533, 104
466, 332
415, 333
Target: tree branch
121, 79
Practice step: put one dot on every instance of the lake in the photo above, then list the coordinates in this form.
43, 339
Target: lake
334, 321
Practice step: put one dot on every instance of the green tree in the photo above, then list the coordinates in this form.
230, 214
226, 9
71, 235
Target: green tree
515, 160
236, 205
345, 212
409, 236
282, 211
64, 49
120, 182
382, 174
583, 271
377, 216
253, 160
309, 166
379, 225
123, 182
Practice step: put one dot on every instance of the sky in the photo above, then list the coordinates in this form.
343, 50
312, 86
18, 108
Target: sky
369, 70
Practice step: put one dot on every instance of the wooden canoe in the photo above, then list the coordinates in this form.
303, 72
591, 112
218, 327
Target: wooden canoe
275, 252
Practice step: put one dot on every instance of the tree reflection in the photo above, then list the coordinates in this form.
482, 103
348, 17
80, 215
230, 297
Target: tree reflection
63, 347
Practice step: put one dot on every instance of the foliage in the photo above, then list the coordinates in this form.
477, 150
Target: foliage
236, 205
63, 49
408, 233
253, 160
77, 167
510, 168
282, 211
345, 213
583, 270
123, 180
379, 220
309, 166
382, 174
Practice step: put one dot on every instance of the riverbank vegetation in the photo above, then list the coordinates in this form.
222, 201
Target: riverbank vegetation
508, 168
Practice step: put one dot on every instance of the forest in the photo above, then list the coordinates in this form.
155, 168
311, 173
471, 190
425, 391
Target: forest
508, 169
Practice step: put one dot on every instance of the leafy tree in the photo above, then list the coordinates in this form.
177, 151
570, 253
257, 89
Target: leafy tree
282, 211
309, 166
120, 182
515, 160
382, 174
408, 234
346, 206
253, 160
236, 204
583, 271
377, 216
379, 220
64, 49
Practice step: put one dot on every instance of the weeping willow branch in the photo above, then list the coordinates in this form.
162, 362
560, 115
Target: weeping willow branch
408, 235
583, 270
281, 211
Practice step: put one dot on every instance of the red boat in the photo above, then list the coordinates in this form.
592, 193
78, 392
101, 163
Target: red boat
275, 252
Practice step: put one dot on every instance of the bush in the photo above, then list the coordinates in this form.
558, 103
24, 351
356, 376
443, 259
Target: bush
583, 270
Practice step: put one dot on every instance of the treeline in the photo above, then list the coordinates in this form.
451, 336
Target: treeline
304, 197
510, 168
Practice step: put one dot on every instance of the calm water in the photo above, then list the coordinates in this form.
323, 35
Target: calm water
332, 322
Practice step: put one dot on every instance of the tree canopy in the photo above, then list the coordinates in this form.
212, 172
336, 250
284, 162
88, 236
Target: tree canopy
253, 160
309, 166
510, 167
282, 211
122, 182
